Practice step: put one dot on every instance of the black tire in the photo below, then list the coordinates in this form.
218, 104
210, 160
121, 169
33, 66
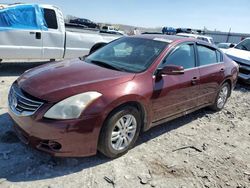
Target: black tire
216, 106
104, 144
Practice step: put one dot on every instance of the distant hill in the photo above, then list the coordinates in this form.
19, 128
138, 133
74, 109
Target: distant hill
129, 28
126, 28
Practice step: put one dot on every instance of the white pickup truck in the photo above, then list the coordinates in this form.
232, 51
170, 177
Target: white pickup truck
31, 32
241, 54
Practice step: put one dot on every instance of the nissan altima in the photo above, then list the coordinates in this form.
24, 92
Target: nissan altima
76, 108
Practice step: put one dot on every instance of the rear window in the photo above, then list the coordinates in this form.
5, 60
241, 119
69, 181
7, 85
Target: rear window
50, 18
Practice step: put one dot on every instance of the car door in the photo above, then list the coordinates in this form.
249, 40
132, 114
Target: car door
20, 35
173, 94
211, 69
53, 38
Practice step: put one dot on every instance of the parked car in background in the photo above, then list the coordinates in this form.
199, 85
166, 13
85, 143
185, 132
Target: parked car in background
85, 22
40, 35
241, 54
111, 29
184, 30
135, 83
200, 37
169, 30
225, 46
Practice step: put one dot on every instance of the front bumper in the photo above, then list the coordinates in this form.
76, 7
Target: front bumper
76, 138
244, 77
244, 73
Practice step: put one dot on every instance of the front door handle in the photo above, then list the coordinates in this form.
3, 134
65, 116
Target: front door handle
194, 80
38, 35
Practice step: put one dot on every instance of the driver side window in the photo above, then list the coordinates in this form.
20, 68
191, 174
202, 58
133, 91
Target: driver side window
182, 55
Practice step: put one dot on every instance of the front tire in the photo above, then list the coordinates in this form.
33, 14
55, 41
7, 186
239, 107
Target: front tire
222, 97
120, 132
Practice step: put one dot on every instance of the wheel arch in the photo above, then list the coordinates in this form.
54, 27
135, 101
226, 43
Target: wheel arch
229, 81
132, 103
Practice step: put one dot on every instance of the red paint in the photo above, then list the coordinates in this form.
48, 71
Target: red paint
160, 97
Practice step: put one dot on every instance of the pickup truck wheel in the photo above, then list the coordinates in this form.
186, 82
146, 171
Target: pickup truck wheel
96, 47
222, 97
120, 132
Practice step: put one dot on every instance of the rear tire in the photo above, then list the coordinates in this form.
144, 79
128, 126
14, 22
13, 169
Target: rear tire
221, 97
120, 132
96, 47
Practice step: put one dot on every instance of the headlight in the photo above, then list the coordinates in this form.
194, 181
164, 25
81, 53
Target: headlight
72, 107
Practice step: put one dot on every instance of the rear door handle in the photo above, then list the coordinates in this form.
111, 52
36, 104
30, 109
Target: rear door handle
194, 80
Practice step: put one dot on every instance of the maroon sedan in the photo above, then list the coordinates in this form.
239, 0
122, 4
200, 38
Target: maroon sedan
74, 108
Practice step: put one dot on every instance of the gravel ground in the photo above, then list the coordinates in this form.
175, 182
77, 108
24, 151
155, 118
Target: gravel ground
202, 149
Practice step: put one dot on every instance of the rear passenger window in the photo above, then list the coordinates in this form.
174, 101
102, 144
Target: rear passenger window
207, 55
182, 56
50, 18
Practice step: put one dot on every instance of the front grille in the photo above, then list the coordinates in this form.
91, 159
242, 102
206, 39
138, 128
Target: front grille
245, 69
21, 104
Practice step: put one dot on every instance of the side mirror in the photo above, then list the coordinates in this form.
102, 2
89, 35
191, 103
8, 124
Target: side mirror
231, 45
171, 70
83, 57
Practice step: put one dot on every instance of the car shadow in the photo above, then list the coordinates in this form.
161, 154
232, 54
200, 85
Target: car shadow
27, 164
16, 69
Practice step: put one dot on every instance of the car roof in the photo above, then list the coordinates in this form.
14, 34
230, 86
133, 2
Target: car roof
172, 38
194, 35
164, 38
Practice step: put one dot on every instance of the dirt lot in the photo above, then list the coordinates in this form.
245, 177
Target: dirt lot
217, 152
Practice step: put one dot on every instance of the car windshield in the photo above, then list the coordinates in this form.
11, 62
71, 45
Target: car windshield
244, 45
128, 54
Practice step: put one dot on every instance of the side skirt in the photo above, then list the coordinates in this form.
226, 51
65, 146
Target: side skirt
153, 124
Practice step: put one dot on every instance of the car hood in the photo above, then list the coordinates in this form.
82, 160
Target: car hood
55, 81
241, 56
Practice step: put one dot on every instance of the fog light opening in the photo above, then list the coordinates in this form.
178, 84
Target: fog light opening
54, 145
50, 145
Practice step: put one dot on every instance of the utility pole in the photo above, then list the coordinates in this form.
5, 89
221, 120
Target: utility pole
228, 34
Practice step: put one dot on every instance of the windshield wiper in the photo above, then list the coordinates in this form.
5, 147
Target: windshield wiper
106, 65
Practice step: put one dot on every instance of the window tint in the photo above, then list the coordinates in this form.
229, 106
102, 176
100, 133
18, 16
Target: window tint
182, 56
207, 55
50, 18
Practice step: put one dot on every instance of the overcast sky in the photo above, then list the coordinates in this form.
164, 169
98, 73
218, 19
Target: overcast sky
213, 14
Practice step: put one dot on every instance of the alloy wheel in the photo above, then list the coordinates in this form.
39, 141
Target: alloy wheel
222, 97
123, 132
